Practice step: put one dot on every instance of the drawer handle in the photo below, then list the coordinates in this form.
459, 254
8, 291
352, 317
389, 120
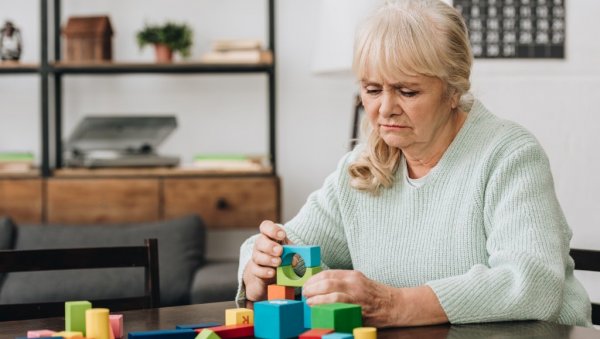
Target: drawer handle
222, 204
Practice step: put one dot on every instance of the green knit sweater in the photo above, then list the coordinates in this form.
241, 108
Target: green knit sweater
483, 229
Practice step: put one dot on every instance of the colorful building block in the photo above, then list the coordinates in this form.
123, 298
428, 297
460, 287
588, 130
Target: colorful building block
232, 331
116, 324
207, 334
75, 315
164, 334
307, 320
97, 325
341, 317
286, 276
338, 335
197, 326
239, 316
68, 335
365, 333
315, 333
40, 333
278, 319
310, 254
275, 292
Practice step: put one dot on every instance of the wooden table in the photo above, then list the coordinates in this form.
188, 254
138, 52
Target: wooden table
168, 317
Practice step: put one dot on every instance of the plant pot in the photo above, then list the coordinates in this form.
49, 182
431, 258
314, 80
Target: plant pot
163, 53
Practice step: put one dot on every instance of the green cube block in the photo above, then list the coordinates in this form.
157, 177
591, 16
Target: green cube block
340, 317
75, 315
286, 276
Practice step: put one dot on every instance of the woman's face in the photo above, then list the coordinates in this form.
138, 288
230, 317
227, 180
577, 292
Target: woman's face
407, 111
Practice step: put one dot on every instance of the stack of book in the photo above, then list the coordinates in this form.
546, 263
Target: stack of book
244, 51
16, 162
230, 162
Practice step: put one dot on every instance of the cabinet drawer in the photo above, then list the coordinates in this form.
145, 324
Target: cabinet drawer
84, 201
224, 202
21, 199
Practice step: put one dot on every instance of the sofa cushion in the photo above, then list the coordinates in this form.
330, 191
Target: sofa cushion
180, 252
215, 281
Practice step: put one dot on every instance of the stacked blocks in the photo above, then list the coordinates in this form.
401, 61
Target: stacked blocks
276, 319
75, 315
286, 276
276, 292
341, 317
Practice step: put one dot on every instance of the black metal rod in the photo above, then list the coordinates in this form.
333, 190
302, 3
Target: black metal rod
272, 90
57, 15
45, 125
58, 89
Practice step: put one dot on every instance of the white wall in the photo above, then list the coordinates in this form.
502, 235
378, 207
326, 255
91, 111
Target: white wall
557, 100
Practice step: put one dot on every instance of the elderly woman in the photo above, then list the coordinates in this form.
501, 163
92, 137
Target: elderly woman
447, 213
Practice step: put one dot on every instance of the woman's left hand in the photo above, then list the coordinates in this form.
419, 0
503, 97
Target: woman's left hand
346, 286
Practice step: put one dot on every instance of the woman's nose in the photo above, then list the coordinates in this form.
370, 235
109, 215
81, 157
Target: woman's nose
387, 104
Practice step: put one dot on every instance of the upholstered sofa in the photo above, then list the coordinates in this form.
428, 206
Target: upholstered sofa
186, 276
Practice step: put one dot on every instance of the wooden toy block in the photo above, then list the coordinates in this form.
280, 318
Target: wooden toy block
315, 333
278, 319
341, 317
338, 335
207, 334
197, 326
365, 333
275, 292
307, 319
75, 315
68, 335
232, 331
164, 334
239, 316
97, 325
116, 324
310, 254
286, 276
40, 333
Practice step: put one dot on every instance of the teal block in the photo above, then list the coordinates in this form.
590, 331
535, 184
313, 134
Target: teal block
310, 254
340, 317
306, 313
278, 319
75, 315
338, 335
286, 276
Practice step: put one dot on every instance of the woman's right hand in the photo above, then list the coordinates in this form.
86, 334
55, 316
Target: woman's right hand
261, 270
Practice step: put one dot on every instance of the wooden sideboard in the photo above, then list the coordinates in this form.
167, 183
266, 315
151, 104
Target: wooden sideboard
224, 200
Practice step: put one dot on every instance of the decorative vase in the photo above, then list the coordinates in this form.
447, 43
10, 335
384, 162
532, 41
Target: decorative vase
163, 53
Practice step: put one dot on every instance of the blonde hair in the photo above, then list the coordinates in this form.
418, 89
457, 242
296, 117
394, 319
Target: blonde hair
412, 37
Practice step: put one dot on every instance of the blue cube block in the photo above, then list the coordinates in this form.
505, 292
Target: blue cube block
306, 313
278, 319
164, 334
196, 326
338, 335
310, 254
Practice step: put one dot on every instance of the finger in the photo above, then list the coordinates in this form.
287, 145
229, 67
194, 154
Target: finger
262, 272
263, 259
272, 230
330, 298
268, 246
324, 286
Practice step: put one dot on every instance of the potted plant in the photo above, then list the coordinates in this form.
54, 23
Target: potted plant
167, 39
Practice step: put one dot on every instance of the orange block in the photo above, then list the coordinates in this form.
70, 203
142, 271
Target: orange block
280, 292
315, 333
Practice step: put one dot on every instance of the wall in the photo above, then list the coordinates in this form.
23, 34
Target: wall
557, 100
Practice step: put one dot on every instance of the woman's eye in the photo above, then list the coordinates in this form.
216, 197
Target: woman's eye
408, 93
372, 90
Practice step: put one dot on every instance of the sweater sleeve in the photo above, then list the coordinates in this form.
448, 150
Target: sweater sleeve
527, 243
319, 222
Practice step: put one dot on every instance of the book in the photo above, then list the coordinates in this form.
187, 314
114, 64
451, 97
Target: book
230, 162
238, 57
236, 44
16, 161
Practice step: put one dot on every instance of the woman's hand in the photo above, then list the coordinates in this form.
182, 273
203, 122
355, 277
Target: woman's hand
261, 269
382, 305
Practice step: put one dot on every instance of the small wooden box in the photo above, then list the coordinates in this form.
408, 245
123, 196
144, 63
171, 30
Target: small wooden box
88, 39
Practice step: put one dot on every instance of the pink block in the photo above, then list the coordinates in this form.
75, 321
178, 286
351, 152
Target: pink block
116, 323
39, 333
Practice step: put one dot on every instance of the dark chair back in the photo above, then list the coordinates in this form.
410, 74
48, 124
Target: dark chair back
83, 258
588, 260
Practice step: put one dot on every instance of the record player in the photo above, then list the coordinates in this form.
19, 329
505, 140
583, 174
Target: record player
120, 141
